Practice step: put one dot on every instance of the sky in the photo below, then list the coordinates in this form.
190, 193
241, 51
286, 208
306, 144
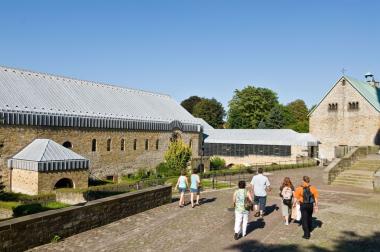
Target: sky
207, 48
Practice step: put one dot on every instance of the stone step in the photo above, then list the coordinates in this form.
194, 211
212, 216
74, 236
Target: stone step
353, 180
367, 185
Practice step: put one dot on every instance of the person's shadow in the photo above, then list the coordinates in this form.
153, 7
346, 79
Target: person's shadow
270, 209
253, 225
316, 223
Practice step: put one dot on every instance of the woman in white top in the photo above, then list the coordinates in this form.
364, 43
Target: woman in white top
182, 185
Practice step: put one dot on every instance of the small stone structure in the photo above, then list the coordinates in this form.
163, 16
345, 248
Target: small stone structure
45, 165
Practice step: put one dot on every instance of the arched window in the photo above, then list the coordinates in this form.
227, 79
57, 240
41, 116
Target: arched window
146, 144
135, 144
67, 145
93, 145
157, 144
190, 143
108, 144
122, 144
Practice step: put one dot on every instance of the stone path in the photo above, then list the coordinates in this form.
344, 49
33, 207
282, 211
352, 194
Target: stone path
348, 220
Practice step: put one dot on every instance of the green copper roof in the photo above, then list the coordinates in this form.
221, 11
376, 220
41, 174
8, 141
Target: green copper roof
369, 92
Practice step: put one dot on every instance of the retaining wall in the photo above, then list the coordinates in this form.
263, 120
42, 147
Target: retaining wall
29, 231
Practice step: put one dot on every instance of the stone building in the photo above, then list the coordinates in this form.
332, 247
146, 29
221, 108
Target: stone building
348, 115
45, 165
258, 146
119, 130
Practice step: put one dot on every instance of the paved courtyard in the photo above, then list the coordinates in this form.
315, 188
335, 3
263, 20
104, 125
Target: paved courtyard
348, 220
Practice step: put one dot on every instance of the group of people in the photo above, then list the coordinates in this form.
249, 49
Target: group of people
305, 198
195, 187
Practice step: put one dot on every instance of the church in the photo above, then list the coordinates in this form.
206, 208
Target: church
348, 115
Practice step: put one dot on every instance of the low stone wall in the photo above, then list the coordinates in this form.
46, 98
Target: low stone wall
29, 231
340, 164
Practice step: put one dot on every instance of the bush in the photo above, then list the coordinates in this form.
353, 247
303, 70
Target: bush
217, 163
177, 156
163, 170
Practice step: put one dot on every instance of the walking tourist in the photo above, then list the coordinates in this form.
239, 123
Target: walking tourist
182, 185
307, 195
260, 185
286, 193
195, 187
241, 200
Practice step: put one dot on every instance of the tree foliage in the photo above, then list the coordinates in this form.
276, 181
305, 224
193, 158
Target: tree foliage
250, 106
190, 102
277, 118
299, 120
211, 111
217, 163
177, 156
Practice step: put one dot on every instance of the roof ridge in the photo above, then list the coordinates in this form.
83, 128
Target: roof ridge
43, 154
87, 82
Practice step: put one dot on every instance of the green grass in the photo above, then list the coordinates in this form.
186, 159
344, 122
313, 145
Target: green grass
207, 183
55, 205
9, 204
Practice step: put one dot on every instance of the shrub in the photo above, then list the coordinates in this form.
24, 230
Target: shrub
217, 163
163, 170
177, 156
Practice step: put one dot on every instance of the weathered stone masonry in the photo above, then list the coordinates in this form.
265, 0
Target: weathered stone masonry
102, 162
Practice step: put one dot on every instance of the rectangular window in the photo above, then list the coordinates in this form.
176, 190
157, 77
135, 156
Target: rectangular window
93, 145
135, 144
146, 144
157, 144
122, 145
108, 144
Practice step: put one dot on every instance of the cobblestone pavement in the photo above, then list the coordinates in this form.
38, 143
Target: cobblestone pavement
348, 220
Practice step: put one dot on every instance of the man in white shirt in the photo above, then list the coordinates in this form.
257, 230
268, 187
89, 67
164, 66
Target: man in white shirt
260, 185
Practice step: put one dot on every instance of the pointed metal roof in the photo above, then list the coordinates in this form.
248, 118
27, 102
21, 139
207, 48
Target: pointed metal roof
47, 155
46, 150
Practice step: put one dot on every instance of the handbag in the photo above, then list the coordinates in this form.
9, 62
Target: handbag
247, 203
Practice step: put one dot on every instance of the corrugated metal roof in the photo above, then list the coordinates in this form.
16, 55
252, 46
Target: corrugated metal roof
28, 91
260, 137
205, 125
46, 150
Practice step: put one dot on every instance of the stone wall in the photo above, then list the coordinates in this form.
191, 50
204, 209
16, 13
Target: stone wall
29, 231
24, 181
344, 127
102, 162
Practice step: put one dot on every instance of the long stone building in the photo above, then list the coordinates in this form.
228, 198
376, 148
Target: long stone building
119, 130
348, 115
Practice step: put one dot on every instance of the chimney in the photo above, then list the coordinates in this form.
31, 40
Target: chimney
371, 80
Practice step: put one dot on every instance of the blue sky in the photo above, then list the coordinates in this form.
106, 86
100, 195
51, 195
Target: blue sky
204, 48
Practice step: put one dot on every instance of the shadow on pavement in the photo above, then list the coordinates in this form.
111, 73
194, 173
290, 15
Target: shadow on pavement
347, 242
270, 209
253, 225
205, 200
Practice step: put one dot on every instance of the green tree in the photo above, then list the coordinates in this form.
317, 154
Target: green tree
250, 106
261, 125
277, 118
299, 116
211, 111
177, 156
190, 102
